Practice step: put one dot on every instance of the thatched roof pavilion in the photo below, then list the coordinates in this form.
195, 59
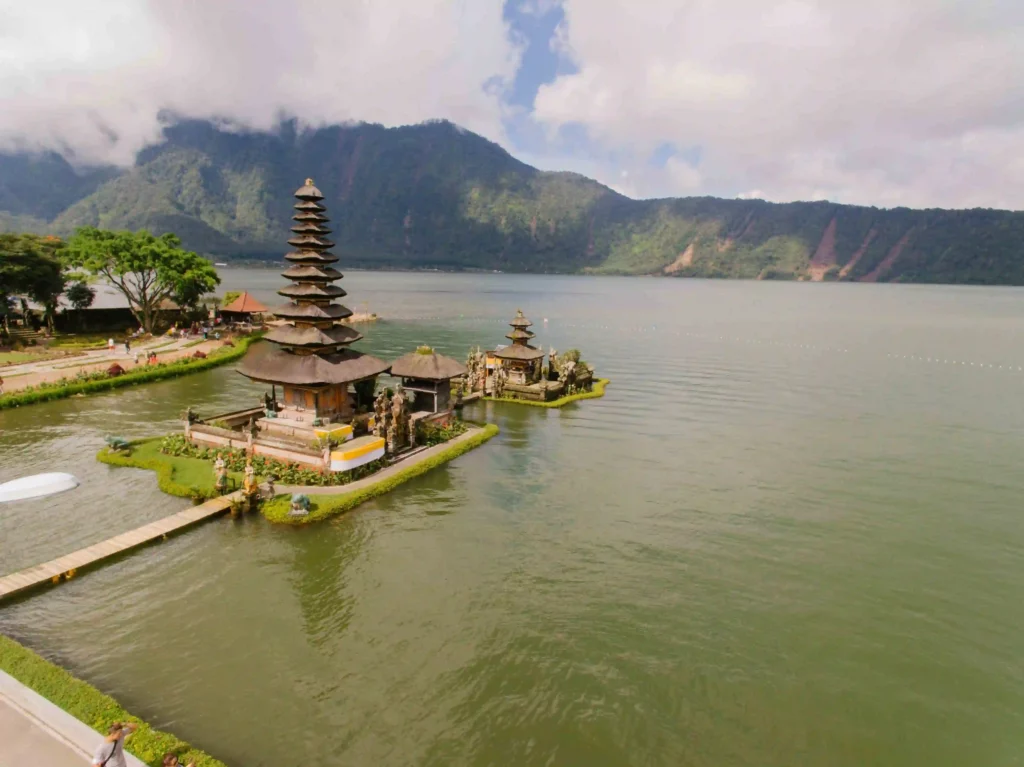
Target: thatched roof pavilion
427, 365
245, 305
428, 375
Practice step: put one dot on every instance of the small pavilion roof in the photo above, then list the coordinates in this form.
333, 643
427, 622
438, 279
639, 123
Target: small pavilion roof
245, 304
519, 352
427, 366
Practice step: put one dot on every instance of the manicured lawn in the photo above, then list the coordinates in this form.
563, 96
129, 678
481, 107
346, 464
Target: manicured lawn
17, 358
13, 358
176, 475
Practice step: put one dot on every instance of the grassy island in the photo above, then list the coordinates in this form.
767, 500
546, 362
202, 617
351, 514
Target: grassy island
597, 391
102, 382
188, 473
89, 705
324, 506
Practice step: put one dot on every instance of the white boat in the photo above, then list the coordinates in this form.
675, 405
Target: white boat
37, 486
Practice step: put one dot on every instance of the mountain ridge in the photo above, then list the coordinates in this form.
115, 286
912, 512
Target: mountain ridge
436, 196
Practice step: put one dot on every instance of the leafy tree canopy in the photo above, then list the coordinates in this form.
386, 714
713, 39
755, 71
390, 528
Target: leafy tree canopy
144, 268
30, 266
80, 295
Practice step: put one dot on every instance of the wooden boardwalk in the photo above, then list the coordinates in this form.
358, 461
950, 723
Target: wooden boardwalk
65, 567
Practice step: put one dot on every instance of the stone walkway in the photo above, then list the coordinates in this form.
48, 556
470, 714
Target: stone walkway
34, 732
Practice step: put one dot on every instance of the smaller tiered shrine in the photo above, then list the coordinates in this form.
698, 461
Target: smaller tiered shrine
517, 370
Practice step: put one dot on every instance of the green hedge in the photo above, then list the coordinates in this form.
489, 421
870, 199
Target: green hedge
89, 705
598, 391
325, 506
138, 376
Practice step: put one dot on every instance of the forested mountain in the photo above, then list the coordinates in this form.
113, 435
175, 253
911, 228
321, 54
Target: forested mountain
433, 195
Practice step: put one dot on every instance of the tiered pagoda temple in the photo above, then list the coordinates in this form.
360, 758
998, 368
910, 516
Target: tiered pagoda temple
522, 362
308, 355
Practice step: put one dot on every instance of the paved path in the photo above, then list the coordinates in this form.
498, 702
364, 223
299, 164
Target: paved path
36, 733
52, 571
33, 373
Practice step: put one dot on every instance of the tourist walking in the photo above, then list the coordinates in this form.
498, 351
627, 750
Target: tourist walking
111, 752
110, 344
127, 346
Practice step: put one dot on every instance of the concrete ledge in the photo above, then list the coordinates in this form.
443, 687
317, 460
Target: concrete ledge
65, 740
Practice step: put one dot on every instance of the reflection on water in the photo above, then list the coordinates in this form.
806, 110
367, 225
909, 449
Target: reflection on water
784, 536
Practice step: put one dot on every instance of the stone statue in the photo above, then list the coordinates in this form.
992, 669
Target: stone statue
220, 471
271, 490
327, 454
500, 378
380, 414
481, 369
300, 505
249, 486
392, 437
251, 432
399, 417
476, 369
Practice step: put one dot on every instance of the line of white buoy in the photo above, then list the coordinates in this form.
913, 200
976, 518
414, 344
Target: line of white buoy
735, 339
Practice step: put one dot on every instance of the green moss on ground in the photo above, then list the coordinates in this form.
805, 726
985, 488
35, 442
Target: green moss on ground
140, 375
326, 506
598, 391
89, 705
176, 475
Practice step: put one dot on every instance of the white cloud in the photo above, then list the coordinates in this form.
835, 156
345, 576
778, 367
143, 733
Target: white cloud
864, 101
867, 101
75, 73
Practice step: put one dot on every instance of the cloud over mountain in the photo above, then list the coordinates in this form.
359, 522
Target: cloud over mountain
859, 101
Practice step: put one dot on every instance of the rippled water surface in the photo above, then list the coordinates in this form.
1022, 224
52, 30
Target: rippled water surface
790, 534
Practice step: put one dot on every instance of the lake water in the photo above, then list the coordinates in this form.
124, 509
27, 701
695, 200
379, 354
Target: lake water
790, 534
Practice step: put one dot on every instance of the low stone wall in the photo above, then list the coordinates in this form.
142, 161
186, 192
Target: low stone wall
235, 418
214, 437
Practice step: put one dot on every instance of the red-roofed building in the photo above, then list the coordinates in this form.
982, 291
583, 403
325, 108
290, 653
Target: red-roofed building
242, 308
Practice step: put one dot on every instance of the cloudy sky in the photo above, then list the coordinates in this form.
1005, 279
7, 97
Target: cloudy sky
882, 102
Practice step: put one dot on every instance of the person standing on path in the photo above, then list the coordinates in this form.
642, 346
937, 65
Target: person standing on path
111, 752
127, 346
110, 344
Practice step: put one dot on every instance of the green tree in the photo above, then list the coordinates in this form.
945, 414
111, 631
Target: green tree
144, 268
30, 266
80, 295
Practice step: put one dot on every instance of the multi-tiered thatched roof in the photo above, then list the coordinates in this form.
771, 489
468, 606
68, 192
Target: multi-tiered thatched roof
311, 348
